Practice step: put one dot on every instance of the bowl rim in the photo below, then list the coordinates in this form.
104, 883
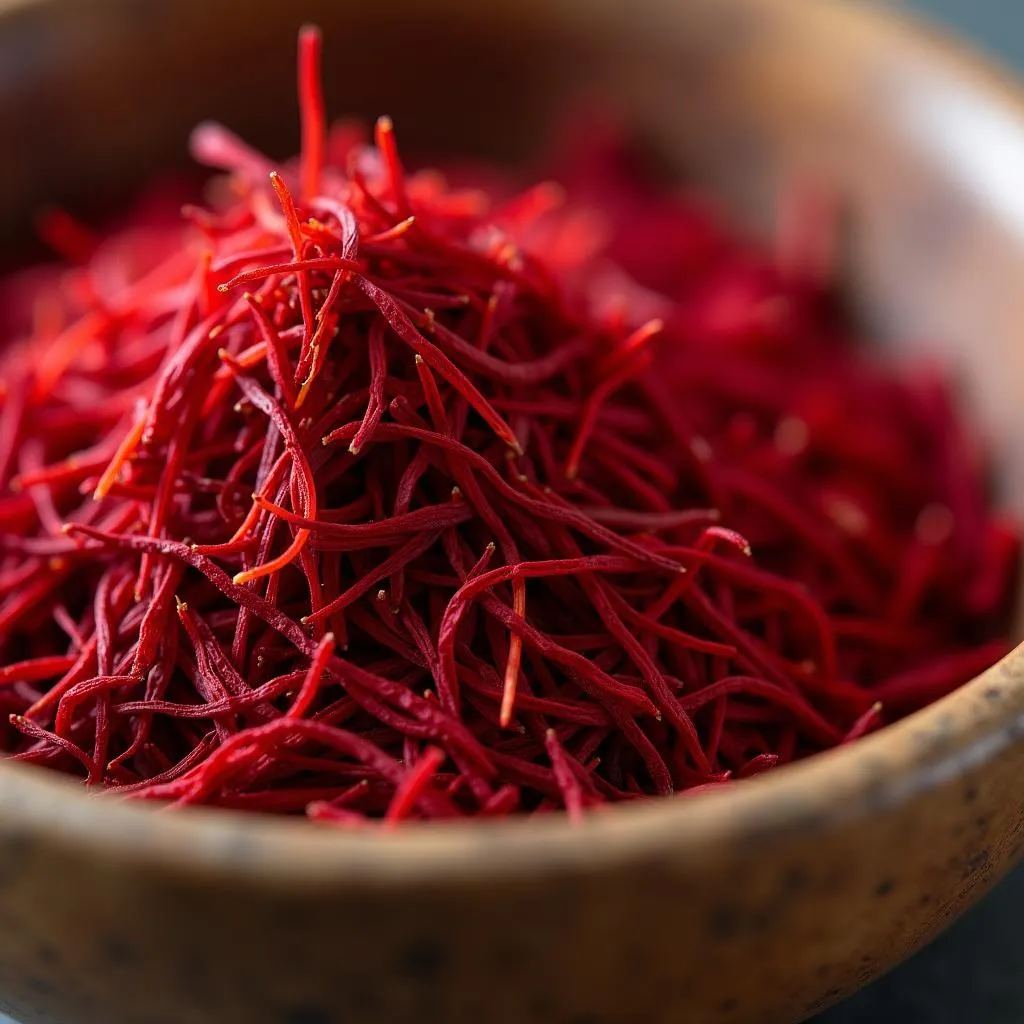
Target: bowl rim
941, 742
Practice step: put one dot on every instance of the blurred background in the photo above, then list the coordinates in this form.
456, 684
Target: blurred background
998, 25
975, 971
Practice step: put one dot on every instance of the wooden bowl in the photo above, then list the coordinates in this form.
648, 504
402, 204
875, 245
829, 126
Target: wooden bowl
759, 904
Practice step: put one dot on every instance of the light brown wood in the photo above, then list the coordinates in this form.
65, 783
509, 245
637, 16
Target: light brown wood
756, 905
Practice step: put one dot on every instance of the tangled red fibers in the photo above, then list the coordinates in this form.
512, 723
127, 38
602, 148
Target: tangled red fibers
365, 496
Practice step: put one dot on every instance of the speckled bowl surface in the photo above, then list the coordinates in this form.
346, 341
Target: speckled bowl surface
757, 905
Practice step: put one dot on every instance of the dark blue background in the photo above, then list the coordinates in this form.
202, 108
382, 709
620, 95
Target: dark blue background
975, 971
998, 25
973, 974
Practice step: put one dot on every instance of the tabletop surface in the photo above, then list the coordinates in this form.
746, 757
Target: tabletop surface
975, 971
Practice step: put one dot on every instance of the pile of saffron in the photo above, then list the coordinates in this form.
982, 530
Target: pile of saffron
357, 495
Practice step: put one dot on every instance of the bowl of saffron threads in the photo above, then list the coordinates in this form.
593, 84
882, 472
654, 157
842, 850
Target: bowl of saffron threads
511, 515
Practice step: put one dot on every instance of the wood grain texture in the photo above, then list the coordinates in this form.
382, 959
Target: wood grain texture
757, 905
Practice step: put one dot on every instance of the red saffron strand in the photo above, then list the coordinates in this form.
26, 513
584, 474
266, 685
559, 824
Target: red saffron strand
314, 677
384, 136
515, 656
311, 107
416, 780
